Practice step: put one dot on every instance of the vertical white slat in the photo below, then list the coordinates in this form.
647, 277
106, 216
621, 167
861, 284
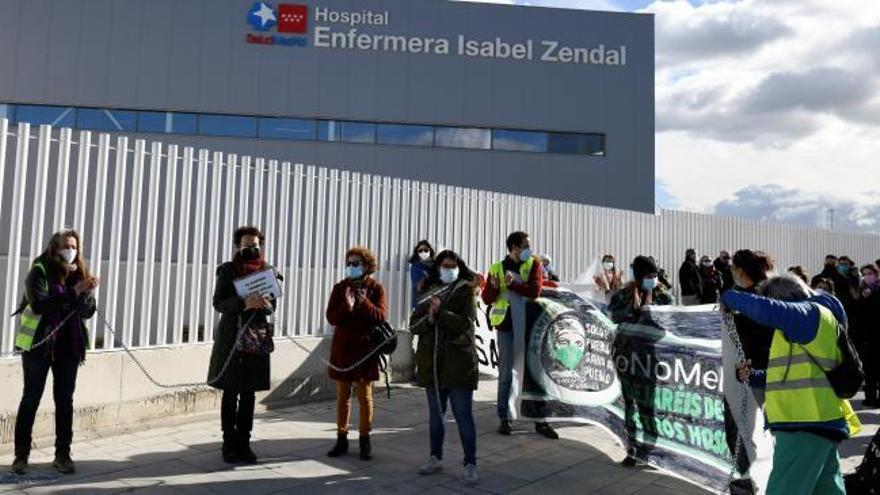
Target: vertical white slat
149, 283
385, 253
61, 179
38, 220
244, 198
259, 199
97, 238
282, 263
375, 206
231, 183
271, 225
180, 292
363, 221
320, 254
116, 233
356, 211
132, 259
4, 139
213, 242
331, 249
308, 246
396, 254
17, 212
295, 288
198, 249
169, 239
82, 181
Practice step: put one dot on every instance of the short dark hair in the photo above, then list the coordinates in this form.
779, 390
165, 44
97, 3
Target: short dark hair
690, 251
801, 273
830, 257
870, 266
516, 239
240, 232
756, 264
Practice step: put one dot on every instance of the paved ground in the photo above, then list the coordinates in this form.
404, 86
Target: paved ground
185, 459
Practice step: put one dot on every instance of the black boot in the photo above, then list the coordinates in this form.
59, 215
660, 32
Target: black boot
230, 448
20, 464
63, 463
244, 450
341, 447
366, 448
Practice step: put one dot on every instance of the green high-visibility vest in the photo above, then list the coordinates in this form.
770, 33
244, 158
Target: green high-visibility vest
797, 388
499, 307
27, 329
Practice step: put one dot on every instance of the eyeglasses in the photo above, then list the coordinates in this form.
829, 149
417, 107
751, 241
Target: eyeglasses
424, 251
353, 264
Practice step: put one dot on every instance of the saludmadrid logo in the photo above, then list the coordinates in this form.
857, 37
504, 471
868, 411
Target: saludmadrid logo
286, 18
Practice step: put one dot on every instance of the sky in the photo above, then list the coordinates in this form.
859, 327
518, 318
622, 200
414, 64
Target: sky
766, 109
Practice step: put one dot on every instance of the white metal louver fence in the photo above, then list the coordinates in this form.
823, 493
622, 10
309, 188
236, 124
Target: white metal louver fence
160, 220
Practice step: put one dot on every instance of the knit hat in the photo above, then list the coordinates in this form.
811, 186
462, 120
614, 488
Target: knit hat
643, 266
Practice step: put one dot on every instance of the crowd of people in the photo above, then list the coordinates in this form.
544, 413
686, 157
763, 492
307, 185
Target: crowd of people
788, 326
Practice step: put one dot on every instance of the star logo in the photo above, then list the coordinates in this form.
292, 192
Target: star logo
261, 16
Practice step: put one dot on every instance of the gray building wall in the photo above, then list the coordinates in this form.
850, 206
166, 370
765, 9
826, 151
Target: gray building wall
191, 56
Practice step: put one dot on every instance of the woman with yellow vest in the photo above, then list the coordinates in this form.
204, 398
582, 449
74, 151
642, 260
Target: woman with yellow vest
511, 283
807, 418
53, 336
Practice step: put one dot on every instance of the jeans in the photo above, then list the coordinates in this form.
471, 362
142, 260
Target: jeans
462, 408
36, 369
505, 370
237, 415
365, 406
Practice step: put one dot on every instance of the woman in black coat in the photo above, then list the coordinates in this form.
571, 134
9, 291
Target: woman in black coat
246, 373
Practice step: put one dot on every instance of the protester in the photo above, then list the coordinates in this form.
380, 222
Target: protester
249, 370
850, 270
690, 280
609, 280
662, 278
803, 412
823, 284
722, 265
357, 305
712, 281
800, 272
446, 357
645, 290
549, 271
53, 336
866, 331
420, 262
512, 282
835, 273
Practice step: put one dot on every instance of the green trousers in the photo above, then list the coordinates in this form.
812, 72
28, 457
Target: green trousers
804, 464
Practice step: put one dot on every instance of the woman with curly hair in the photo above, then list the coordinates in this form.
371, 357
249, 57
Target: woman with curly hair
357, 304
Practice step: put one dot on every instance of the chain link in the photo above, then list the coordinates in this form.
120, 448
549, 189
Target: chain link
49, 336
729, 324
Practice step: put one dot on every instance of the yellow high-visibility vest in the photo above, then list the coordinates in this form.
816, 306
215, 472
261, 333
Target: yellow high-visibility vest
499, 307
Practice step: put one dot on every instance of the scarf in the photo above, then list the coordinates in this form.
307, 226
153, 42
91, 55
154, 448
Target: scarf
243, 267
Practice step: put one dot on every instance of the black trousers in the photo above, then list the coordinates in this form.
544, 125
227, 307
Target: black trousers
237, 415
36, 370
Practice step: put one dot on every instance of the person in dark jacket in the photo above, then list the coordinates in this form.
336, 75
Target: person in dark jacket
357, 305
420, 263
246, 373
866, 331
837, 274
446, 357
53, 336
712, 281
645, 290
689, 279
722, 265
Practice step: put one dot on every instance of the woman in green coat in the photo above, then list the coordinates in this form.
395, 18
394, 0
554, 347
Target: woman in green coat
446, 358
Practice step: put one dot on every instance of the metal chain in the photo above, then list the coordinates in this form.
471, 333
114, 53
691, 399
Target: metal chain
339, 369
49, 336
729, 324
232, 353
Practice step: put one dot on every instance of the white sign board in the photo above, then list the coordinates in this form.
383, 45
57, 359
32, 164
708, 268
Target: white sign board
263, 283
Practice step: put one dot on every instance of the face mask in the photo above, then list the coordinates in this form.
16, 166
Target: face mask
448, 275
608, 265
871, 279
354, 272
425, 255
69, 255
250, 253
569, 356
649, 283
525, 255
707, 264
843, 269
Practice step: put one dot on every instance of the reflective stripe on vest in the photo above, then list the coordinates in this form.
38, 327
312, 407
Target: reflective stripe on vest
797, 389
30, 321
499, 307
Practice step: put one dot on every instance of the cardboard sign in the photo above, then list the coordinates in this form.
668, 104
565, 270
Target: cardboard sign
263, 283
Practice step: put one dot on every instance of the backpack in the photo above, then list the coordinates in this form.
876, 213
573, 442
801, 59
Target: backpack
847, 377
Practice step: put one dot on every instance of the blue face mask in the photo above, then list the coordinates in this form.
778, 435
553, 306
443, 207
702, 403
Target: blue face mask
354, 272
843, 269
649, 283
447, 275
525, 255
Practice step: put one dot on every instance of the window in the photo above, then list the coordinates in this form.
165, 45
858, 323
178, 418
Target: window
297, 129
519, 140
408, 135
347, 132
578, 144
7, 112
41, 114
227, 125
106, 120
462, 137
168, 122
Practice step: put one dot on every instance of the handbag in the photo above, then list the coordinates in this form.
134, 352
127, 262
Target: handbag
384, 337
257, 339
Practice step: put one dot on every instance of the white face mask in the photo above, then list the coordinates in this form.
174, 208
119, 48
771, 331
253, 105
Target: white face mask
425, 255
69, 255
448, 275
608, 265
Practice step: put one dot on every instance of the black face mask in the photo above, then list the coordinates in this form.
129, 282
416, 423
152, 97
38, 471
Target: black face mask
250, 253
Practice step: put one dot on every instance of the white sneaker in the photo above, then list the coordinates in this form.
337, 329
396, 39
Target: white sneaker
470, 474
433, 465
